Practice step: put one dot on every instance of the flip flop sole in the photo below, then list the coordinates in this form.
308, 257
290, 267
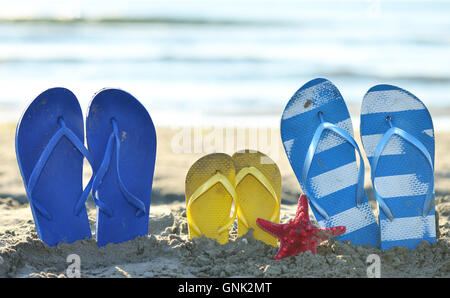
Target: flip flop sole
254, 199
136, 163
212, 209
60, 183
403, 174
333, 176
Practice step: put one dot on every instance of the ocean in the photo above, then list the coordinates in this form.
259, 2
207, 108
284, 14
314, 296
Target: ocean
232, 63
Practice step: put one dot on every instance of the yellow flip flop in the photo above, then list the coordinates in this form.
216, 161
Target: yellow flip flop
210, 196
258, 188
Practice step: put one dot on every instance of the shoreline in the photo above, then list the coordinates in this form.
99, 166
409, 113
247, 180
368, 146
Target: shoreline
267, 117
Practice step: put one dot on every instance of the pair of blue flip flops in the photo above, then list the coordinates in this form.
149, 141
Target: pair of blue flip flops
398, 138
121, 142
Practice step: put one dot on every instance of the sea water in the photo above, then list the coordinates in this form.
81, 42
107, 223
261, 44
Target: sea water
223, 62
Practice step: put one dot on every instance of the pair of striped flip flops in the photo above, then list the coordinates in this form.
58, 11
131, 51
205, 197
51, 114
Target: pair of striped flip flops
50, 150
398, 138
220, 188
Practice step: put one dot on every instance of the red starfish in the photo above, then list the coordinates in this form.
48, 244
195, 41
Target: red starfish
299, 235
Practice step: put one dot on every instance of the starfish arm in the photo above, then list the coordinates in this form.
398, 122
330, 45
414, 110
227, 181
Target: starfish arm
281, 252
274, 229
328, 233
302, 209
289, 249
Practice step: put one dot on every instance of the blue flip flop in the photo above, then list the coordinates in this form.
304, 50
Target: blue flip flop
398, 138
317, 135
121, 138
50, 152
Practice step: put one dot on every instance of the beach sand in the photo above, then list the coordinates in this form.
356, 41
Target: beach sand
167, 251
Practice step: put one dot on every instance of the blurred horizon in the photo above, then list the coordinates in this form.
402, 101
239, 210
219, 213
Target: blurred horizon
223, 62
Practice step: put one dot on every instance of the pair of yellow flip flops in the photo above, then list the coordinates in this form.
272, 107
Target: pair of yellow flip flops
220, 187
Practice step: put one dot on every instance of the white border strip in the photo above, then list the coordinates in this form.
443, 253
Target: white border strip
335, 180
353, 219
408, 228
400, 186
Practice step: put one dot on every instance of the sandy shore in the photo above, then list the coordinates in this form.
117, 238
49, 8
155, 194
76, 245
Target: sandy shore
167, 252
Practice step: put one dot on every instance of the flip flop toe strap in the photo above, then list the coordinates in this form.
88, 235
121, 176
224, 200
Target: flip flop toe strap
217, 178
310, 155
103, 169
393, 130
267, 185
63, 131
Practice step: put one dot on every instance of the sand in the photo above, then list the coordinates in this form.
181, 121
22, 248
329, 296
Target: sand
167, 251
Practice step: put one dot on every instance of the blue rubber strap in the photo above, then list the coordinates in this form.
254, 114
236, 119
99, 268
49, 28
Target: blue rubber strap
379, 150
103, 169
99, 176
43, 158
310, 155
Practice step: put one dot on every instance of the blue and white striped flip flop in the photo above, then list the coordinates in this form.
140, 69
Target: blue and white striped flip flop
398, 137
317, 135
